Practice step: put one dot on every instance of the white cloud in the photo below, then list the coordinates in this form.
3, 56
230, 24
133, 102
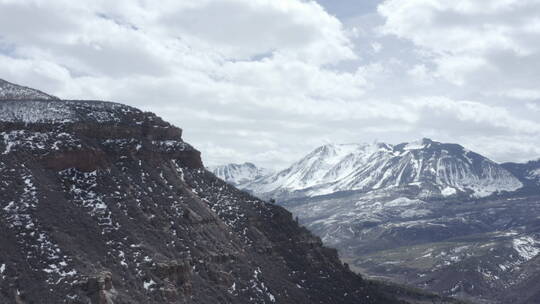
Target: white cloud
470, 117
266, 81
376, 46
456, 68
463, 25
470, 40
522, 94
240, 57
420, 73
242, 29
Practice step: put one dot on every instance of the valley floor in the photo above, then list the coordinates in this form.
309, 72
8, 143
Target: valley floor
482, 250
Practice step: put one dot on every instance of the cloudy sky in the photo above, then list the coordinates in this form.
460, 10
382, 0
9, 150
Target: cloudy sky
269, 80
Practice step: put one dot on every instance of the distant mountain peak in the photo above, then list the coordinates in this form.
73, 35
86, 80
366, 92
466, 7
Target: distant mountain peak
239, 174
11, 91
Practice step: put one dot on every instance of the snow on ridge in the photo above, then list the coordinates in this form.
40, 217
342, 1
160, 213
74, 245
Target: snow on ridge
326, 164
34, 112
10, 91
61, 111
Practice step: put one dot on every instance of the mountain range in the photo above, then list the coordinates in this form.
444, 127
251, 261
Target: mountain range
434, 215
428, 167
102, 203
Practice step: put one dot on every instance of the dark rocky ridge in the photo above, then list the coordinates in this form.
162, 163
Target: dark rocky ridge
107, 204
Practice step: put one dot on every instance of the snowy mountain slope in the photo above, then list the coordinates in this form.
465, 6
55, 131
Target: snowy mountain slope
10, 91
437, 169
239, 174
324, 165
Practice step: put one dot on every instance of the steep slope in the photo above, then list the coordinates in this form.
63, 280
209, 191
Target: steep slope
430, 168
239, 174
103, 203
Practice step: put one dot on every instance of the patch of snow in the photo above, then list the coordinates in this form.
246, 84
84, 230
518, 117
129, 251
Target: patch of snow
526, 247
232, 289
448, 191
258, 285
10, 91
414, 213
403, 201
488, 275
148, 284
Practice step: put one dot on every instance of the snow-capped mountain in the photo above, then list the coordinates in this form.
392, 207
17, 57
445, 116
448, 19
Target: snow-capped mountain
239, 174
432, 168
10, 91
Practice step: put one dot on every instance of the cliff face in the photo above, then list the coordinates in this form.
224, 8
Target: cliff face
103, 203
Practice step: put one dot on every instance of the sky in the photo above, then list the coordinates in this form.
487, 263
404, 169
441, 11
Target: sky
267, 81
